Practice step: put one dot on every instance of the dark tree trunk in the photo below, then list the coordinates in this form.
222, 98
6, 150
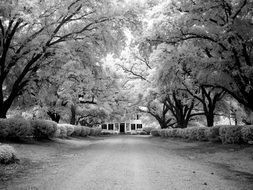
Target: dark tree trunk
3, 112
73, 115
209, 119
54, 116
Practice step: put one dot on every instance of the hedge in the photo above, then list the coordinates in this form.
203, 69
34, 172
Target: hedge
95, 131
43, 129
70, 128
77, 130
85, 131
247, 133
4, 128
148, 129
155, 132
15, 128
212, 133
230, 134
61, 131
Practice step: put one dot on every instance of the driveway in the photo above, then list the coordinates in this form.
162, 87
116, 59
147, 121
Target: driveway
122, 163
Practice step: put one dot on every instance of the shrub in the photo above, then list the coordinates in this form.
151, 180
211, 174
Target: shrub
142, 133
61, 131
192, 133
18, 128
43, 129
169, 132
163, 132
230, 134
4, 128
155, 132
212, 133
77, 130
180, 133
148, 129
247, 133
106, 133
7, 154
134, 133
85, 131
70, 128
95, 131
201, 134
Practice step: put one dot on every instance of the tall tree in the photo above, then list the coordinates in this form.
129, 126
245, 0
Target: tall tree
32, 32
222, 29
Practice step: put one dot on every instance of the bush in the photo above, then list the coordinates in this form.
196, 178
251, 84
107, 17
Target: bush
247, 133
155, 132
201, 134
4, 128
142, 133
70, 128
18, 128
163, 132
95, 131
43, 129
7, 154
212, 133
106, 133
148, 129
85, 131
230, 134
180, 133
169, 133
77, 130
61, 131
192, 133
134, 133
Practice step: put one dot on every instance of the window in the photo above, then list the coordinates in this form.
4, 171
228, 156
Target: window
104, 126
132, 126
110, 126
139, 126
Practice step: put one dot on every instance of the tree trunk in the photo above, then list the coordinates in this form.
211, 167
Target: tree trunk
182, 123
54, 116
163, 125
210, 119
3, 112
73, 115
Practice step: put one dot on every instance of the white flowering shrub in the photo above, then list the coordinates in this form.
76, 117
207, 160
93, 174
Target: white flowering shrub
7, 154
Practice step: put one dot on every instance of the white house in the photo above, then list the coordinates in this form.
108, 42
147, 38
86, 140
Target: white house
122, 127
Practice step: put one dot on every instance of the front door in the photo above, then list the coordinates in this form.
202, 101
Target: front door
122, 128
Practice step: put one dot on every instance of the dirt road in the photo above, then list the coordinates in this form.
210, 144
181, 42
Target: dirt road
121, 163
